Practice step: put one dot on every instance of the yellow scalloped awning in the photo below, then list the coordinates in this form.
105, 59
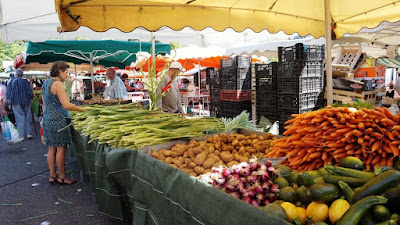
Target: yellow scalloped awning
301, 16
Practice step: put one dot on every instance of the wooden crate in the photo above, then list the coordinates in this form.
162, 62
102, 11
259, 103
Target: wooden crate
347, 58
345, 96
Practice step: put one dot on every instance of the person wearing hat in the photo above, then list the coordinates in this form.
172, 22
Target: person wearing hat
19, 94
171, 101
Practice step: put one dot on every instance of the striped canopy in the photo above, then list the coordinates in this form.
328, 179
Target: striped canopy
388, 62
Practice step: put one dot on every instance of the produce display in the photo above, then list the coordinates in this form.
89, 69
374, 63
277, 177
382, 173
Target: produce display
317, 138
252, 183
343, 195
198, 157
101, 101
129, 126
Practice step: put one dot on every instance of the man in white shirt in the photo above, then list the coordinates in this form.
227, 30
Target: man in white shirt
171, 101
116, 89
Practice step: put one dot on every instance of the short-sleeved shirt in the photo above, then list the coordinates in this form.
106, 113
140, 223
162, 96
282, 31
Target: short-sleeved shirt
171, 101
116, 90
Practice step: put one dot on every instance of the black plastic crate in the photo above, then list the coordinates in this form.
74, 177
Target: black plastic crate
232, 109
267, 99
236, 62
266, 84
235, 74
300, 85
301, 69
244, 84
298, 102
266, 70
300, 52
270, 113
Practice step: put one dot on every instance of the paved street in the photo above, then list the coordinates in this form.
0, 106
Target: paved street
24, 164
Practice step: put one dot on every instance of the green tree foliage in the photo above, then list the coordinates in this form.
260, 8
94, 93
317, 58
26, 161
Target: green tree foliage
8, 52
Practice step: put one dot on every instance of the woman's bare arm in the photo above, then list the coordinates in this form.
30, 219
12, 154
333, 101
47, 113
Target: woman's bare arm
58, 89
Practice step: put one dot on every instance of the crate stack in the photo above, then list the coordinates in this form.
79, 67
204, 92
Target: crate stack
265, 86
235, 86
213, 78
300, 80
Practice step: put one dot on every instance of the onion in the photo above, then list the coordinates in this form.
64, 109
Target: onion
266, 202
258, 188
260, 198
271, 169
265, 176
254, 166
255, 203
243, 165
235, 176
217, 169
251, 194
272, 198
266, 185
262, 168
235, 194
247, 199
274, 188
226, 172
236, 169
252, 178
221, 180
268, 163
245, 172
230, 187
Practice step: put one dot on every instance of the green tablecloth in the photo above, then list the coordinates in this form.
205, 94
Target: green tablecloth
131, 185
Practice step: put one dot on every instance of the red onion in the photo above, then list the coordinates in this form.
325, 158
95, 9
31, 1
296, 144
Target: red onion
258, 188
226, 172
265, 176
254, 166
245, 172
220, 180
236, 176
235, 194
266, 185
236, 169
260, 198
268, 163
230, 187
266, 202
247, 199
255, 203
274, 188
262, 168
271, 169
217, 169
252, 178
272, 198
251, 194
243, 165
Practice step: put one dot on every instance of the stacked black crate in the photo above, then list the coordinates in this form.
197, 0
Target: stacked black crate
235, 86
300, 80
213, 78
266, 91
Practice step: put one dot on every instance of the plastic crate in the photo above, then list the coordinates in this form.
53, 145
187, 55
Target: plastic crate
301, 69
235, 74
270, 113
266, 70
236, 62
300, 52
238, 85
301, 85
291, 54
234, 95
298, 102
267, 100
266, 84
232, 109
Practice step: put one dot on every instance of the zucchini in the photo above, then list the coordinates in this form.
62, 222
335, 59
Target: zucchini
351, 162
357, 210
341, 171
305, 179
380, 169
378, 185
380, 213
351, 181
348, 192
324, 192
393, 196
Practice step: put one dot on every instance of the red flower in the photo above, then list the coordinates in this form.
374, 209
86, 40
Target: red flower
166, 88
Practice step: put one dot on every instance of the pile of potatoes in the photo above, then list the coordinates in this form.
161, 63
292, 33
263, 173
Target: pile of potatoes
198, 157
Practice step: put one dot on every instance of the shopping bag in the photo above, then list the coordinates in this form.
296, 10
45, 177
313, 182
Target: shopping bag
10, 133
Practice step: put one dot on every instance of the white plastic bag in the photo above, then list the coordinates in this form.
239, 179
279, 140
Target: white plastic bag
394, 109
275, 128
10, 133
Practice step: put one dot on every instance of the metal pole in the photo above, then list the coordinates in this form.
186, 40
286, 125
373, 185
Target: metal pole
91, 72
328, 56
199, 84
153, 49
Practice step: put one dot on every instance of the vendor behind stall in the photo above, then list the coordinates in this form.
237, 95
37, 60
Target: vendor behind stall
116, 89
171, 101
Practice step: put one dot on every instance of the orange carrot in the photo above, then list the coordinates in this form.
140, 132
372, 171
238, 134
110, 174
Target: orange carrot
386, 149
375, 146
361, 126
395, 150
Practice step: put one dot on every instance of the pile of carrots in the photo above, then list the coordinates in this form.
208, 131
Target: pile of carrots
317, 138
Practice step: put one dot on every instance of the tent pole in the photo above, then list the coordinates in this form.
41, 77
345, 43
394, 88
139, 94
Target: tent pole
199, 85
91, 72
328, 56
153, 48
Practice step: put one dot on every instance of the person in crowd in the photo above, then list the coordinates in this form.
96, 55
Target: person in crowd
138, 85
171, 101
124, 78
390, 91
3, 111
55, 119
116, 89
19, 94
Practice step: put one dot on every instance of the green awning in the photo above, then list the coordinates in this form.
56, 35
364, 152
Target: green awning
388, 62
105, 52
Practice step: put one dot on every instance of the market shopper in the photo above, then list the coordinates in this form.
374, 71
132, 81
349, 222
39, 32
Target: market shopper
3, 111
55, 119
116, 89
171, 101
19, 95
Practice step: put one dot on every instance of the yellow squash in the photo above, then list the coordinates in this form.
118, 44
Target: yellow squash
338, 209
291, 211
317, 211
302, 215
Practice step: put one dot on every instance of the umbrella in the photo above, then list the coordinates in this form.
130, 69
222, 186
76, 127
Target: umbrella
315, 17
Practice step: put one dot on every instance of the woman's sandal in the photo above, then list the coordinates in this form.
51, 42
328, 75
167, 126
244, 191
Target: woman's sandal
63, 181
54, 179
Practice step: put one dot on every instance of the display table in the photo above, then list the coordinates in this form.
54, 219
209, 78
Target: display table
131, 185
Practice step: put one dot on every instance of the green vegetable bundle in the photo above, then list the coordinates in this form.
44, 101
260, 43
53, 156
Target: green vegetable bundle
129, 126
